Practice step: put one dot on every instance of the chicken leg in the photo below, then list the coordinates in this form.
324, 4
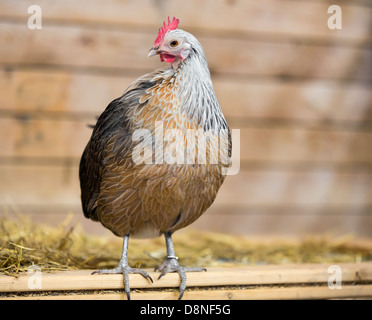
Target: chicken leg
171, 264
124, 268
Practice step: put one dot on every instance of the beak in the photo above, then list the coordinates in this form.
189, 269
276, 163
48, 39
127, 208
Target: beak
153, 52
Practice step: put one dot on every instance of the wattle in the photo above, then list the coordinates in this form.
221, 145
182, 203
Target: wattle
167, 57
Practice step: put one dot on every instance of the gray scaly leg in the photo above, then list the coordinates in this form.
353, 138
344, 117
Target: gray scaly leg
171, 265
124, 268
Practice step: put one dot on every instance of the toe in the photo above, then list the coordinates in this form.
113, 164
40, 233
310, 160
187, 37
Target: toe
146, 275
163, 273
182, 274
108, 271
195, 269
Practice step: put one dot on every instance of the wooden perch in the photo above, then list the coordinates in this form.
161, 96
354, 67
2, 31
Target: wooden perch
256, 282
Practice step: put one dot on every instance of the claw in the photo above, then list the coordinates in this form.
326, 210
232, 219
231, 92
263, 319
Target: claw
128, 294
143, 273
181, 294
163, 273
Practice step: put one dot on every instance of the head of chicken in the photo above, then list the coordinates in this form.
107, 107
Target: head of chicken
173, 45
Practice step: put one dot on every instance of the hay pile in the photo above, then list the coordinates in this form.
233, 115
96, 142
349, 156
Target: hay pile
23, 243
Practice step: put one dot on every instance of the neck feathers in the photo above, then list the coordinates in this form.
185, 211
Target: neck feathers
193, 85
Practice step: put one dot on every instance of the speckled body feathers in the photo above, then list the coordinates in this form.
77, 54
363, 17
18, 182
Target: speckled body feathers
146, 200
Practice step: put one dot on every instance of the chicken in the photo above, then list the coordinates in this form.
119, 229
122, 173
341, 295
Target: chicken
164, 192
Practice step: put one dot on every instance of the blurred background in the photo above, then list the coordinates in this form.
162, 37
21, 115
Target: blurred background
299, 92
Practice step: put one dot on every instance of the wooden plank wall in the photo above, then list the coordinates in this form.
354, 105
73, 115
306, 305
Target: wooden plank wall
299, 92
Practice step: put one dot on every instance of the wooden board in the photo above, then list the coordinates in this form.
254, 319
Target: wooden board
53, 185
73, 94
39, 185
286, 220
116, 49
305, 19
214, 277
253, 202
315, 187
27, 136
250, 220
254, 293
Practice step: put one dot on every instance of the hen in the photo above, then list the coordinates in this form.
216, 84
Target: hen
139, 196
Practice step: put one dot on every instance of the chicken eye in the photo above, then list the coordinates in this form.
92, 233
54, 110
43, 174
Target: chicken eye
174, 43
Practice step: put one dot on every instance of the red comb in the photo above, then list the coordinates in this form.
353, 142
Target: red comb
163, 31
